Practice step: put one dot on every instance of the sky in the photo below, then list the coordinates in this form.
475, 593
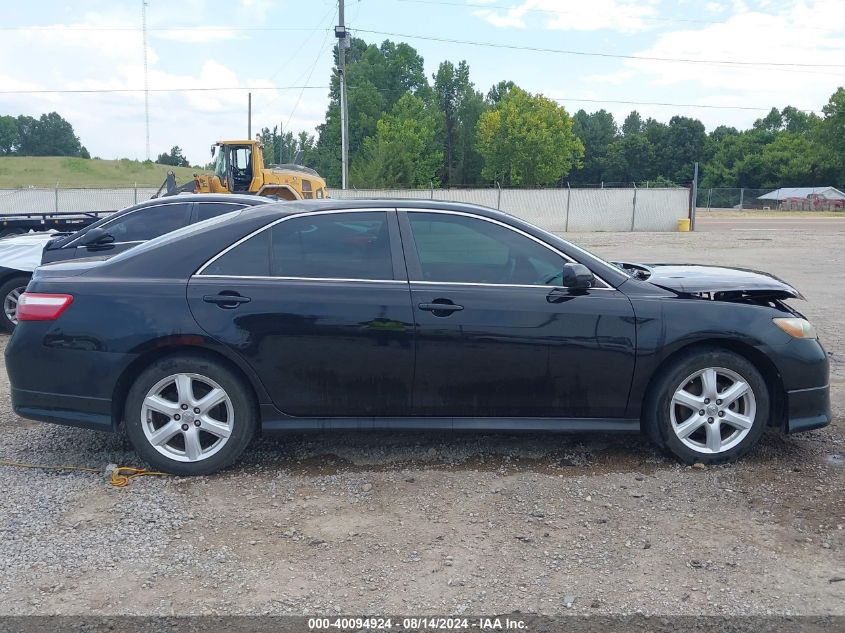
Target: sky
588, 54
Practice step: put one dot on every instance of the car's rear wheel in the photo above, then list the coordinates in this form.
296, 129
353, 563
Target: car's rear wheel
709, 406
10, 293
189, 415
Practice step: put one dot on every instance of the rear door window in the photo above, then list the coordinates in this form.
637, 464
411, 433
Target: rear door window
323, 246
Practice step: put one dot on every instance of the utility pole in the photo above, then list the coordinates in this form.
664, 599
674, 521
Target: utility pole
146, 76
342, 45
249, 116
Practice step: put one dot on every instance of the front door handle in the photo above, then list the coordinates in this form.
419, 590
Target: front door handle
226, 300
440, 307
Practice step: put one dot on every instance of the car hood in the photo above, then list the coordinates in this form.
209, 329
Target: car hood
692, 279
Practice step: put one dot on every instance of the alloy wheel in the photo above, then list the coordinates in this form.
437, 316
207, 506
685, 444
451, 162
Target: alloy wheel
187, 417
10, 304
712, 410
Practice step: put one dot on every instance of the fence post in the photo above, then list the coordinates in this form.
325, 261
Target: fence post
499, 199
741, 197
568, 197
634, 208
709, 196
694, 206
431, 187
56, 192
136, 193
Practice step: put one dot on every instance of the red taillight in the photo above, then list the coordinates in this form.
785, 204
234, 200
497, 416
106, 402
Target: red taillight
37, 306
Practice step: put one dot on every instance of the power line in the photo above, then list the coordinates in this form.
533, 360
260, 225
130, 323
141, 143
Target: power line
307, 79
560, 51
635, 103
125, 90
676, 105
306, 87
83, 29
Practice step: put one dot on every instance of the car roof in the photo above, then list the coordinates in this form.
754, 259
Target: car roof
337, 204
208, 197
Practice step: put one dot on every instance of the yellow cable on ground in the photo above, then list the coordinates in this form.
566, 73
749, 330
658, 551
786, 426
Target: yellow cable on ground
120, 475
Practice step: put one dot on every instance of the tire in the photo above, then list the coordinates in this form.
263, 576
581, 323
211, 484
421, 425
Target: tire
178, 440
729, 427
9, 293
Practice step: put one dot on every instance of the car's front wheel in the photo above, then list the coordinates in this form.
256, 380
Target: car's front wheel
709, 406
189, 415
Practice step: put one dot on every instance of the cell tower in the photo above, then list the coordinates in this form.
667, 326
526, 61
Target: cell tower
146, 76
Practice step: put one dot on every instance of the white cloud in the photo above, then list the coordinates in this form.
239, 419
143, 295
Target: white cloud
801, 33
103, 52
626, 16
194, 35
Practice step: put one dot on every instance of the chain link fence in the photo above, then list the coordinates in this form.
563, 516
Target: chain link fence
784, 199
61, 200
560, 210
581, 209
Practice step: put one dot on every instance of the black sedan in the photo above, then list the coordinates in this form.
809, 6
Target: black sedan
406, 314
111, 235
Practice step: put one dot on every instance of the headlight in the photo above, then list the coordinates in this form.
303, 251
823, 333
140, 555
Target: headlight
797, 327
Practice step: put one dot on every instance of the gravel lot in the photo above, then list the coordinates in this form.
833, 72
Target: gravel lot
435, 523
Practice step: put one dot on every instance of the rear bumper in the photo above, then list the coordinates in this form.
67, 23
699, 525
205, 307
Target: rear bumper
807, 409
83, 412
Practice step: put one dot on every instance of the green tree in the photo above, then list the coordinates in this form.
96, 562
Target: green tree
791, 159
9, 137
684, 144
597, 132
174, 158
498, 91
527, 139
797, 121
629, 159
405, 150
49, 135
633, 124
829, 135
376, 78
460, 107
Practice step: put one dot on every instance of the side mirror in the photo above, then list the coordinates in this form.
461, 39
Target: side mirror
96, 236
577, 277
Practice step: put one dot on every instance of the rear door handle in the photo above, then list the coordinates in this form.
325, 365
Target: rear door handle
226, 300
440, 307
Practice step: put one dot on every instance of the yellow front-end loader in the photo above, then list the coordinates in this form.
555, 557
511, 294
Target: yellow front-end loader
239, 168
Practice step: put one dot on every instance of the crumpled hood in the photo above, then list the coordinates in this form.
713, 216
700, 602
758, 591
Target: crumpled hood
692, 278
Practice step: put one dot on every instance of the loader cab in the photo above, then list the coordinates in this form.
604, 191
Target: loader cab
234, 166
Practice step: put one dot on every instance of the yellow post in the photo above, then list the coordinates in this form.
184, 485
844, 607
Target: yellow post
683, 225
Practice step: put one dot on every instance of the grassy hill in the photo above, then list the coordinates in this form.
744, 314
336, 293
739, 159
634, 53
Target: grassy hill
45, 171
